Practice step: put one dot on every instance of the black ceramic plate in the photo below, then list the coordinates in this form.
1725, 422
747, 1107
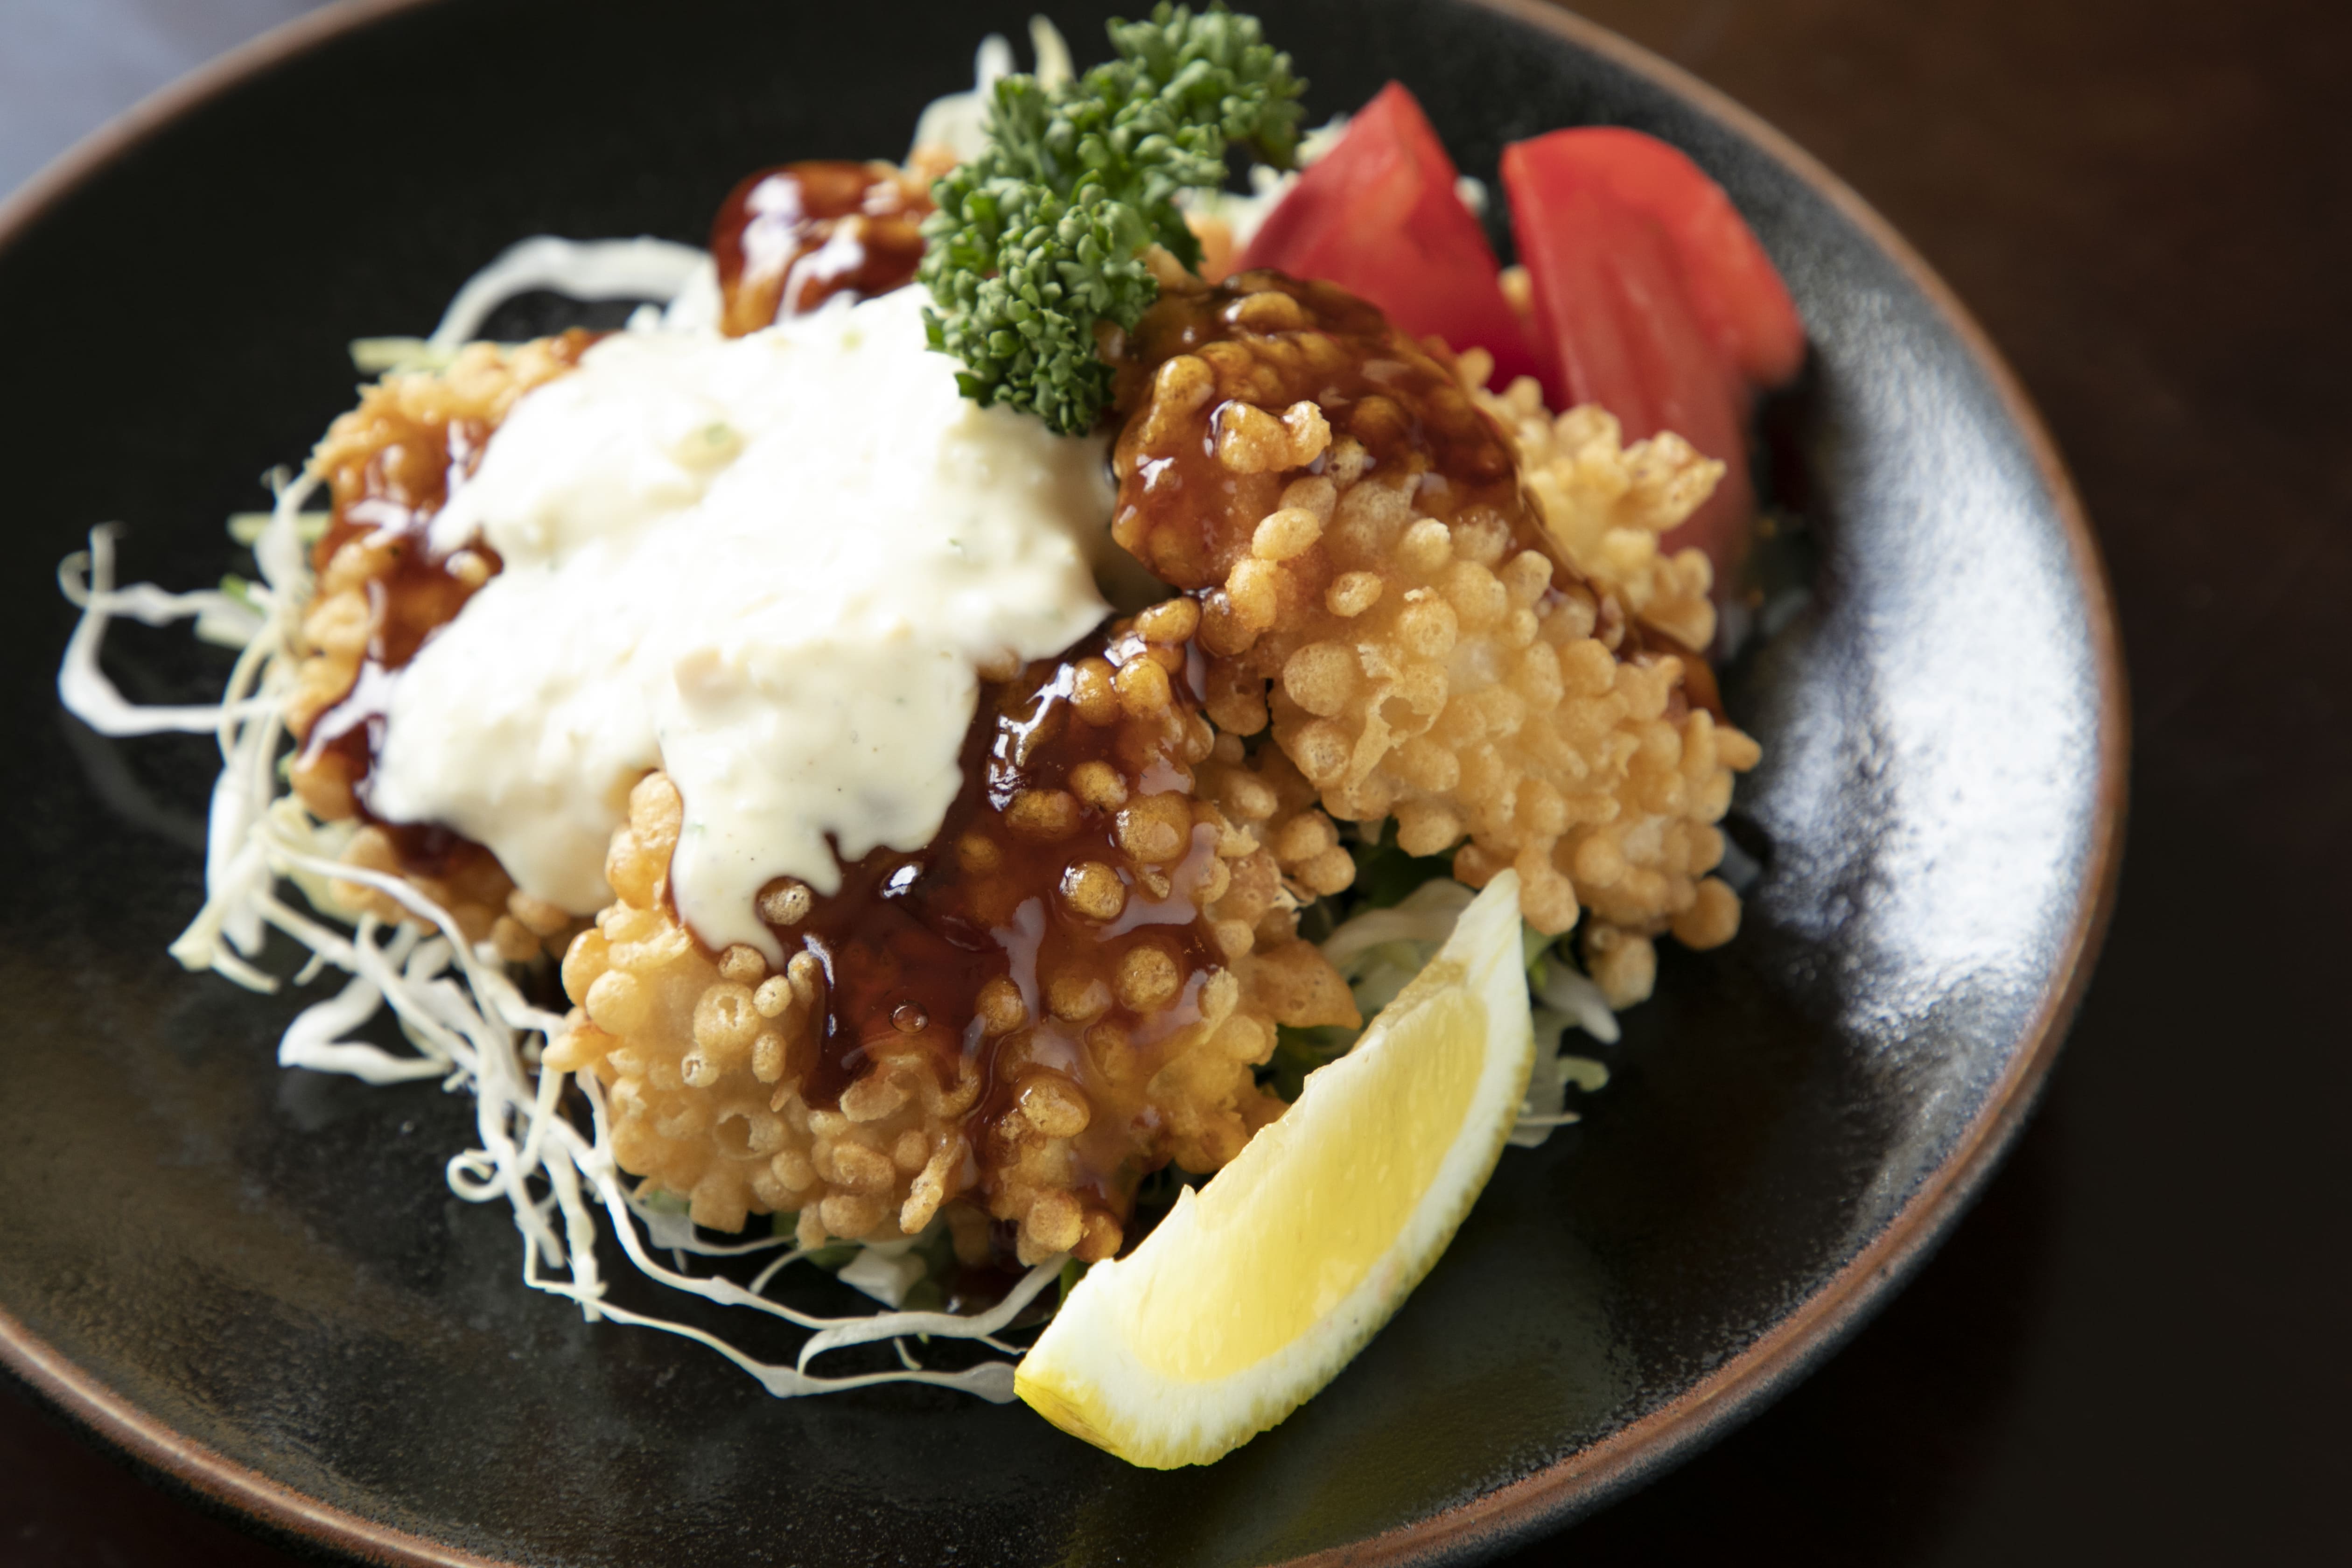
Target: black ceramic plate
257, 1280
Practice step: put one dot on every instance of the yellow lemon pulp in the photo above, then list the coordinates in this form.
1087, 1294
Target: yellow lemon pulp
1336, 1211
1259, 1286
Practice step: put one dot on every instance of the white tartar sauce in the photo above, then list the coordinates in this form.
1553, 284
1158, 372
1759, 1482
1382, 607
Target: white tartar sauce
771, 565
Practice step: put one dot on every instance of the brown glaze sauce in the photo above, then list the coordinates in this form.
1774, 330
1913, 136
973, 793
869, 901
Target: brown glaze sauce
791, 238
787, 239
1273, 340
389, 503
910, 939
1190, 518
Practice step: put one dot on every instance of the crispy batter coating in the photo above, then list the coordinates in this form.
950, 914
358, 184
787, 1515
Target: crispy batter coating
388, 465
1421, 641
1069, 988
1405, 597
1607, 504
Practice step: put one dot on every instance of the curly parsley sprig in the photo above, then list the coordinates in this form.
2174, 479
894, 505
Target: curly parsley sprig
1041, 238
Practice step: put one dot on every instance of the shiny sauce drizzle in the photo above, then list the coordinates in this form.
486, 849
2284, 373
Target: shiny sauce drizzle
913, 941
1273, 340
386, 505
791, 238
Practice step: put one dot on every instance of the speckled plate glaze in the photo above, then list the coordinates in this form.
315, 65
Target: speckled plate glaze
257, 1280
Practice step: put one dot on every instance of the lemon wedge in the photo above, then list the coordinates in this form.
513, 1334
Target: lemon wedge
1259, 1286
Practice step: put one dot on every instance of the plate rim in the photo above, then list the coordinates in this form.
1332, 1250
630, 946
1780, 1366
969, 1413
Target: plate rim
1581, 1482
1569, 1487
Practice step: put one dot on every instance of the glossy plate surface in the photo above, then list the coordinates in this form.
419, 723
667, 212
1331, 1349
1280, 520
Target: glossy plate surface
258, 1280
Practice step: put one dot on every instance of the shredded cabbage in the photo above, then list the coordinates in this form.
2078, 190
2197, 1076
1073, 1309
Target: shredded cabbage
1378, 951
467, 1023
957, 123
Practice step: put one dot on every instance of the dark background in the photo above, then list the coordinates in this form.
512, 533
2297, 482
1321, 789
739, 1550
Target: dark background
2133, 1350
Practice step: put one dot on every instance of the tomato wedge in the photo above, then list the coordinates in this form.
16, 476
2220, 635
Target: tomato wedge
1655, 300
1734, 290
1378, 216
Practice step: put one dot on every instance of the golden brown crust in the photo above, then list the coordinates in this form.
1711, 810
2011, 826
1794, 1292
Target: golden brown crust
1420, 639
1382, 621
378, 594
1607, 505
707, 1057
1071, 987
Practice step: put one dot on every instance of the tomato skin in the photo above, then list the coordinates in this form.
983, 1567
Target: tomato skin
1378, 216
1734, 288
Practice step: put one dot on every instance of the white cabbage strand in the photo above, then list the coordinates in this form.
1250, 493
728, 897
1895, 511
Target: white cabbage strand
1378, 952
468, 1023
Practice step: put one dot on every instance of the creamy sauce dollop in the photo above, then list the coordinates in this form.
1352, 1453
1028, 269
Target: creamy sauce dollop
772, 565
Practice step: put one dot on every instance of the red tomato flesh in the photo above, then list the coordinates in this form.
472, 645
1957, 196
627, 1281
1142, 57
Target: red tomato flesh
1378, 216
1655, 300
1734, 290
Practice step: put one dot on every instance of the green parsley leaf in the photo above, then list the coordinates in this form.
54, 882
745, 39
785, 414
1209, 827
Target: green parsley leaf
1038, 243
